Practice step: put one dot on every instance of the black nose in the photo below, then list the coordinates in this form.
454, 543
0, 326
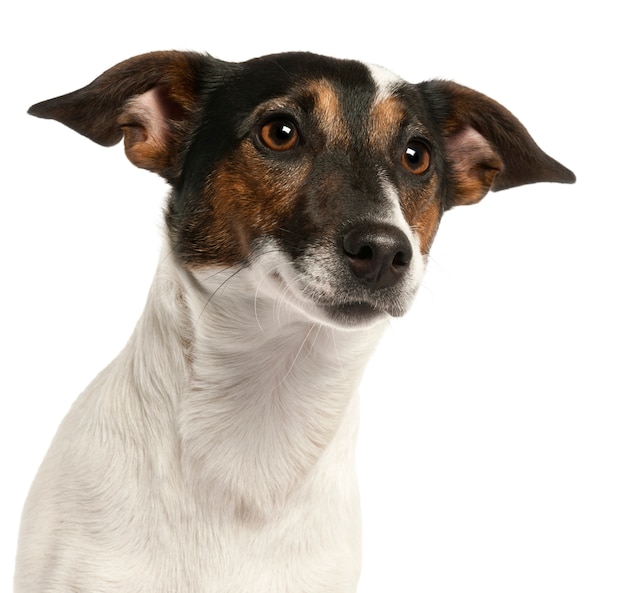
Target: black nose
378, 254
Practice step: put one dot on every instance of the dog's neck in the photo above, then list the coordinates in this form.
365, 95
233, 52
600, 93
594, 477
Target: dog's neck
267, 394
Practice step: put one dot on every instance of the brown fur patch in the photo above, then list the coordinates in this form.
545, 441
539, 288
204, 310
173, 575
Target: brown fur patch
328, 113
246, 197
385, 120
422, 210
427, 223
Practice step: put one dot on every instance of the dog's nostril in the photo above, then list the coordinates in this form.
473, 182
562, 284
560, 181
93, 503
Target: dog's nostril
365, 252
401, 259
377, 254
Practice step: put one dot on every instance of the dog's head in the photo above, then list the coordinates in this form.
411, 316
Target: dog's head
326, 177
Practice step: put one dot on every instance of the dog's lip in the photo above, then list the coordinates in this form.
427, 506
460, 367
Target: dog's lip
346, 311
347, 306
354, 312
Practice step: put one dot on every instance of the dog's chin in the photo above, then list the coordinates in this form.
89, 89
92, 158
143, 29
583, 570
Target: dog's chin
341, 314
357, 314
344, 313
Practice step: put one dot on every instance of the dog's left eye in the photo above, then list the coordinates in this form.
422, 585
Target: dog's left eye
416, 157
279, 135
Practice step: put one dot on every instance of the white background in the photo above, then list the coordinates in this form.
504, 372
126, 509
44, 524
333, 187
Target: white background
493, 443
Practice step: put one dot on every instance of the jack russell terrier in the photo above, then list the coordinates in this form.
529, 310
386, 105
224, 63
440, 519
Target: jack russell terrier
216, 453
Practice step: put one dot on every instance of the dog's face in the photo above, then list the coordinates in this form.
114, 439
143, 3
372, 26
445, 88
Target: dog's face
327, 178
321, 176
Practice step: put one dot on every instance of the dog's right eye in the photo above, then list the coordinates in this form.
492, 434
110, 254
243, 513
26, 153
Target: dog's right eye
416, 157
279, 135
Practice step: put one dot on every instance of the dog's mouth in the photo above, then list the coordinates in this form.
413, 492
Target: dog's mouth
336, 305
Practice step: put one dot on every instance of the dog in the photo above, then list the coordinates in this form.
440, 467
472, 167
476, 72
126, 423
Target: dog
216, 453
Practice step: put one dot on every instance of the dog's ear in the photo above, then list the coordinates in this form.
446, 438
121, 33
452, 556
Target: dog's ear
486, 145
150, 100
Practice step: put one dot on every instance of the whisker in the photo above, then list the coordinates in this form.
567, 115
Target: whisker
338, 358
220, 286
283, 298
212, 273
256, 311
317, 335
166, 256
293, 362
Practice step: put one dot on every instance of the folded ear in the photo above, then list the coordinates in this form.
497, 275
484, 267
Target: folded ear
150, 100
486, 145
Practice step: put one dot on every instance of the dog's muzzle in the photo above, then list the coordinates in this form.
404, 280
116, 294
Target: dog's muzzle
370, 273
367, 272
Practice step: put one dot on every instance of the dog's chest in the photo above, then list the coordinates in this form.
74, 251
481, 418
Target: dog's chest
310, 543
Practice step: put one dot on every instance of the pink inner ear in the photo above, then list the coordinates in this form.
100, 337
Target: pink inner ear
475, 165
146, 131
468, 140
147, 111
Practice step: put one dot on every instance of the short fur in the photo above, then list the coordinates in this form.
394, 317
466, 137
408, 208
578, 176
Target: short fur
216, 453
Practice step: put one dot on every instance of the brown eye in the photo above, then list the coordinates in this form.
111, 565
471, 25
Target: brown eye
279, 135
416, 157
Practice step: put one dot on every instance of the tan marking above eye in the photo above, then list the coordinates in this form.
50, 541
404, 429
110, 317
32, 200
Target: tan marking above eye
279, 135
416, 157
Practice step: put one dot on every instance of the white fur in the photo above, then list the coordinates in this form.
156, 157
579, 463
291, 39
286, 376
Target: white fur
385, 79
215, 454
